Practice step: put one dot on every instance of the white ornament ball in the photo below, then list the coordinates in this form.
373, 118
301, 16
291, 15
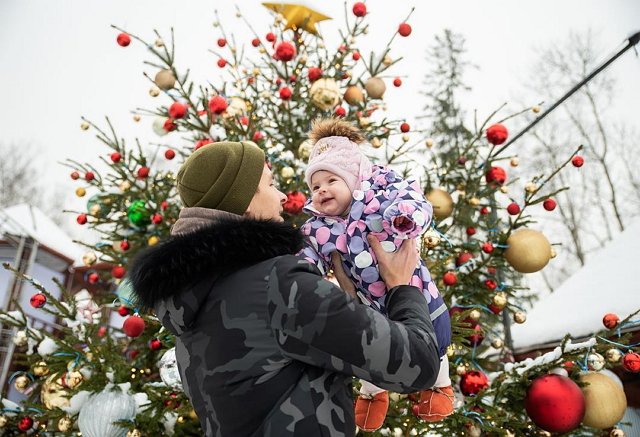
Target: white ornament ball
98, 414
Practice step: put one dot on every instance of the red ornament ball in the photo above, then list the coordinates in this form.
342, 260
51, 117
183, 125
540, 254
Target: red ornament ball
217, 104
177, 110
397, 82
270, 37
449, 278
356, 56
116, 157
222, 42
222, 63
513, 209
123, 311
340, 111
610, 320
463, 258
404, 29
133, 326
81, 219
124, 245
285, 51
285, 93
484, 210
472, 382
156, 219
38, 300
359, 9
26, 422
476, 339
555, 403
164, 205
102, 331
169, 154
577, 161
496, 175
293, 78
155, 344
123, 39
258, 136
255, 42
497, 134
89, 176
203, 142
314, 74
169, 125
143, 172
118, 272
75, 175
93, 278
404, 127
487, 247
495, 309
295, 202
491, 284
631, 362
471, 231
549, 204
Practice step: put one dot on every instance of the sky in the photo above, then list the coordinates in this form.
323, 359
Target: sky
60, 60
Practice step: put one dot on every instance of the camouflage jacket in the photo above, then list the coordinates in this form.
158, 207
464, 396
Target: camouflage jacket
266, 346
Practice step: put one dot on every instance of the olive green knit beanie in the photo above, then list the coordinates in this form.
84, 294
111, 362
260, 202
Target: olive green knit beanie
222, 176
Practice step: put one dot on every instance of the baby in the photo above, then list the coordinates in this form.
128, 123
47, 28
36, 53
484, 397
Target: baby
350, 199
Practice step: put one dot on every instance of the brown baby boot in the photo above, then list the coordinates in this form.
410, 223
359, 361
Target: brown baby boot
371, 410
436, 404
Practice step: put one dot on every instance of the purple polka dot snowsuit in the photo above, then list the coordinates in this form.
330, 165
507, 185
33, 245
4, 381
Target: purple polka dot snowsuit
381, 199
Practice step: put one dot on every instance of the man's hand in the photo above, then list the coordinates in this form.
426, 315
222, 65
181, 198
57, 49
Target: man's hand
396, 268
345, 283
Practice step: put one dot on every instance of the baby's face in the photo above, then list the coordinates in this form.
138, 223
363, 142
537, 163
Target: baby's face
330, 194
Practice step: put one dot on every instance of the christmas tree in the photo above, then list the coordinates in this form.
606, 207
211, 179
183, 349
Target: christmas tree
100, 380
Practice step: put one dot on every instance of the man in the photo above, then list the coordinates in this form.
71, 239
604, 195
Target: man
265, 345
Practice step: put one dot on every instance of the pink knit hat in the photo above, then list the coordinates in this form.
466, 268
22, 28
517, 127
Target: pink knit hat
340, 156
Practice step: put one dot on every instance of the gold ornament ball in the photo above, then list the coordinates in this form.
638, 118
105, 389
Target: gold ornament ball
3, 421
153, 240
376, 143
80, 192
528, 252
159, 43
154, 92
375, 88
605, 401
134, 433
530, 187
497, 343
451, 351
41, 369
500, 299
431, 239
165, 80
405, 138
354, 95
617, 432
428, 142
73, 379
287, 172
504, 189
520, 317
21, 383
442, 203
514, 162
613, 355
462, 369
304, 150
65, 424
474, 201
89, 259
125, 186
325, 93
95, 210
387, 61
52, 394
136, 118
364, 121
84, 125
536, 109
474, 315
180, 419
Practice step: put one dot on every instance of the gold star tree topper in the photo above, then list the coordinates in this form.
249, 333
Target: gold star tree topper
298, 16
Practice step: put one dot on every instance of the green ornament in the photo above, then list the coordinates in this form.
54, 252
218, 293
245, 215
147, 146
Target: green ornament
99, 206
138, 214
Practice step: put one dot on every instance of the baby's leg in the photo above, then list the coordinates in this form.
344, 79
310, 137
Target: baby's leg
443, 379
368, 389
371, 407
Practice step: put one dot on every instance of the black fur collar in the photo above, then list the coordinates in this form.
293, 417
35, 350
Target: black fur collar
162, 271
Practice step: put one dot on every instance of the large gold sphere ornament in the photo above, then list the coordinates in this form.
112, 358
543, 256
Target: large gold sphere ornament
613, 355
89, 259
605, 401
65, 424
442, 203
375, 88
354, 95
21, 383
41, 369
325, 93
431, 239
287, 172
165, 79
500, 299
529, 251
237, 107
520, 317
53, 394
304, 150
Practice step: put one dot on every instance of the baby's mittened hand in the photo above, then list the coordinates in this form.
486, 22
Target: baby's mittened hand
403, 223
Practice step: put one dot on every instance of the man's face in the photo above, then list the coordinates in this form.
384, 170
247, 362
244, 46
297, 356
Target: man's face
268, 200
